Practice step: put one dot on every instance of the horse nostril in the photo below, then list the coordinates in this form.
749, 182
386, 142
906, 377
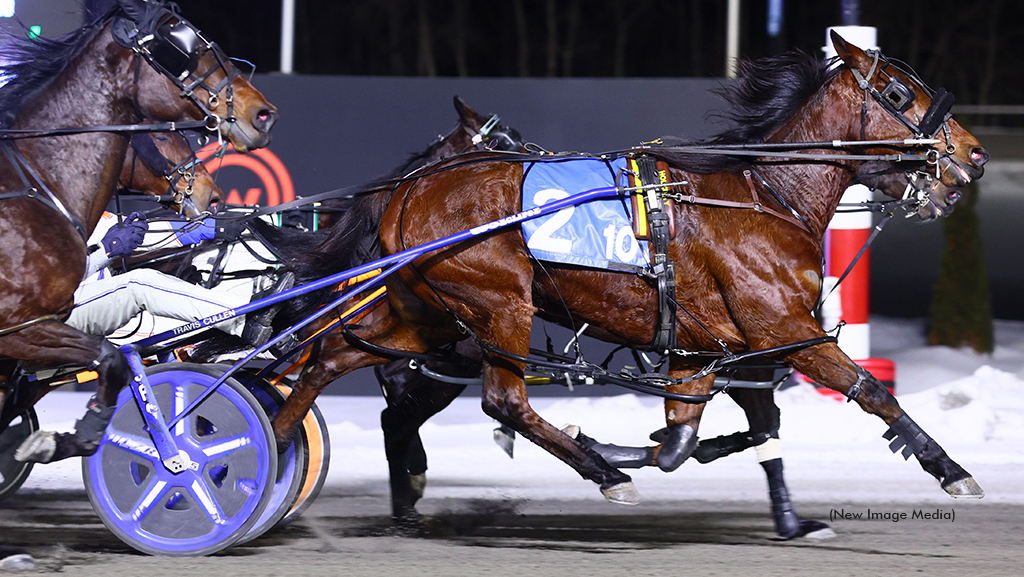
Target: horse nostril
979, 156
265, 119
953, 196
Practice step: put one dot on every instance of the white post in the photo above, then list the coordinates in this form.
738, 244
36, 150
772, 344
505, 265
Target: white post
732, 41
287, 35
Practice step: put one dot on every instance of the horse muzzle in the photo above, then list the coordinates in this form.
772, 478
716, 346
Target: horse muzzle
247, 134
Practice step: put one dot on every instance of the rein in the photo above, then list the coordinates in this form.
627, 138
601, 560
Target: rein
20, 166
13, 134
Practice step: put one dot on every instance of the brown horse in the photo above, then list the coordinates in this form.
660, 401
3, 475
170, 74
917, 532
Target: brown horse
163, 164
747, 252
135, 62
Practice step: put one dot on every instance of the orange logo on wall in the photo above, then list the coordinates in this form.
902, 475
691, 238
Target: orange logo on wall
260, 173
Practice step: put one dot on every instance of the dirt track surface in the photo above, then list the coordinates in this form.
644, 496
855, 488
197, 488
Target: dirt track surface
347, 532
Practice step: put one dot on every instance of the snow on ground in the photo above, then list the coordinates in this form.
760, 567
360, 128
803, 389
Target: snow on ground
972, 404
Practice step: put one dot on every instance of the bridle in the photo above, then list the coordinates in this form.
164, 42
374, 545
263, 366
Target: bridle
896, 97
145, 150
494, 135
173, 46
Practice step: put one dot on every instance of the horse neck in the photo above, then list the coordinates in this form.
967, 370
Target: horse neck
82, 170
814, 189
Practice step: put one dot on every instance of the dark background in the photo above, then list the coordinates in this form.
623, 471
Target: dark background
970, 47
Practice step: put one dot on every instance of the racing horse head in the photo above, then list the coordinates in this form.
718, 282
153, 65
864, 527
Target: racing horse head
896, 98
210, 87
164, 165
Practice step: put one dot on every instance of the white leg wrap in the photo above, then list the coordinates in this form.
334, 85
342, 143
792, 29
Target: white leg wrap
768, 450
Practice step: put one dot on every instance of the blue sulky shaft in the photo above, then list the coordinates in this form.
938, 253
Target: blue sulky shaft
392, 262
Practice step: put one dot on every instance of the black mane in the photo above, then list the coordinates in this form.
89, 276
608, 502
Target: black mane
30, 64
416, 160
766, 93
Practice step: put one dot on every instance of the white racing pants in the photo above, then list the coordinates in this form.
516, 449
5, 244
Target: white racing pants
105, 305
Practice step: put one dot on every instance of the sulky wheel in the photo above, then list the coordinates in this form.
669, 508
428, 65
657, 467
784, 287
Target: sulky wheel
13, 472
228, 480
319, 450
291, 465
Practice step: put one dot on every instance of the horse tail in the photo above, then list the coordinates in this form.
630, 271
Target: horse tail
351, 241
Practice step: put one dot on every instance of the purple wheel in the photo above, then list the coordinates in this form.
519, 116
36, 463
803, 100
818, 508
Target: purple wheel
226, 485
13, 472
291, 465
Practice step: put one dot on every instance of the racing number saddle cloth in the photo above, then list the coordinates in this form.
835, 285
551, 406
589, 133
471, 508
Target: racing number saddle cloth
599, 234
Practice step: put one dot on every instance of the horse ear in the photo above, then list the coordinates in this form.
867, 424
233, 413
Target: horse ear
853, 57
467, 115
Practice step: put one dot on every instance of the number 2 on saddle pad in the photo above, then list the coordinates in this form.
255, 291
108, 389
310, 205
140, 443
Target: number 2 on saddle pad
597, 234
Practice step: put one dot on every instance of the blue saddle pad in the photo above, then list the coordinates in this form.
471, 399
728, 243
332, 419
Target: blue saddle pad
596, 234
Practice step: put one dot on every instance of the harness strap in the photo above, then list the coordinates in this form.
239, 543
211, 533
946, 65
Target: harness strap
662, 268
27, 324
756, 205
50, 200
14, 134
863, 249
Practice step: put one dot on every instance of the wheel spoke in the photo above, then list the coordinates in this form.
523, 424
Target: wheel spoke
149, 499
204, 497
142, 447
227, 445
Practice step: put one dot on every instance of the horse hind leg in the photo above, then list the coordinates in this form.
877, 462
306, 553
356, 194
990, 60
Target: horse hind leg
504, 399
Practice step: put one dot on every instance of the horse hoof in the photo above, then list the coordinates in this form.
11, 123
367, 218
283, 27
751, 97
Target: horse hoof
505, 439
408, 523
572, 430
15, 559
963, 489
418, 484
818, 530
810, 529
622, 493
39, 447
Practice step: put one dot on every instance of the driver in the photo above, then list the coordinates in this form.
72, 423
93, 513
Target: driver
107, 303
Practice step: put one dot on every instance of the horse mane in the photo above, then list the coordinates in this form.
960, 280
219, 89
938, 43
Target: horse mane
30, 64
766, 93
415, 161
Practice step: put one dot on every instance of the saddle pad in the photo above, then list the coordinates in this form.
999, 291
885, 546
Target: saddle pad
596, 234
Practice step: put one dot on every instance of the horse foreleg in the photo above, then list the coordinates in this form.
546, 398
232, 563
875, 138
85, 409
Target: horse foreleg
57, 343
829, 366
763, 416
682, 419
677, 441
